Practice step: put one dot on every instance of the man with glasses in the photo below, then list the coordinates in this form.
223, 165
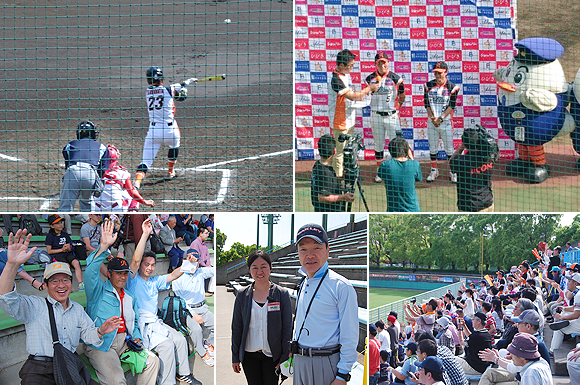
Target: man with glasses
430, 371
71, 321
341, 111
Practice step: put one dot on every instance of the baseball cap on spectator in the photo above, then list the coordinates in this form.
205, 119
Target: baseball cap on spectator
529, 316
526, 264
575, 277
55, 268
118, 264
373, 329
392, 319
194, 252
444, 322
52, 219
412, 346
313, 231
431, 364
481, 316
440, 66
501, 272
575, 267
381, 56
555, 268
524, 345
483, 281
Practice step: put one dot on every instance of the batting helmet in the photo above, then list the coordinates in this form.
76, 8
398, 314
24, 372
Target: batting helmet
114, 156
87, 129
154, 75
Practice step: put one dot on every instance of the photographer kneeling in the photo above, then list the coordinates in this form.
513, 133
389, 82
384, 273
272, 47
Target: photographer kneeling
326, 192
473, 170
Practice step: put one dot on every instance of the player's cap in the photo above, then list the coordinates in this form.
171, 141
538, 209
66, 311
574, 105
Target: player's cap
575, 277
440, 66
431, 364
118, 264
529, 316
52, 219
55, 268
538, 50
575, 267
313, 231
381, 56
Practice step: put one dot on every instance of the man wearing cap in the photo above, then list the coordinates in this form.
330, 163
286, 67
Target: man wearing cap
405, 373
327, 330
109, 298
522, 305
445, 337
524, 352
474, 343
374, 356
341, 112
568, 321
528, 322
394, 337
430, 371
555, 282
440, 99
169, 344
384, 104
72, 322
190, 287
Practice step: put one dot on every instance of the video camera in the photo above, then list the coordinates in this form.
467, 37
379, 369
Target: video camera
479, 140
354, 144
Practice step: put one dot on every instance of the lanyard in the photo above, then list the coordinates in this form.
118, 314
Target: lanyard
310, 304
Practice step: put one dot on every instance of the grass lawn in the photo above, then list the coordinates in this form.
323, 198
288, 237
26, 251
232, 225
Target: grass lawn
382, 296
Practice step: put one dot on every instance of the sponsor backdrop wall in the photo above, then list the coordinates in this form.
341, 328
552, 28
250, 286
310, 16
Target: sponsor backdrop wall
473, 37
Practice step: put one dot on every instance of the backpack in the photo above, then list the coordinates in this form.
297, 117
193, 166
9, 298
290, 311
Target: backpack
174, 313
157, 245
26, 223
38, 257
79, 250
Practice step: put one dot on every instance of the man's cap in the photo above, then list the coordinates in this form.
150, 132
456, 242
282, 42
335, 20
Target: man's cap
501, 272
568, 265
412, 346
55, 268
555, 268
381, 56
538, 50
373, 329
524, 345
481, 316
118, 264
575, 266
529, 316
444, 322
483, 281
313, 231
440, 66
526, 264
575, 277
431, 364
392, 319
55, 218
194, 252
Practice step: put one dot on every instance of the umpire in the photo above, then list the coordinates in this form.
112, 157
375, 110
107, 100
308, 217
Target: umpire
85, 161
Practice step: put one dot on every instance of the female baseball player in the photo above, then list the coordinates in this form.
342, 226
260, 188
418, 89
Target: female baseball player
163, 128
440, 99
119, 194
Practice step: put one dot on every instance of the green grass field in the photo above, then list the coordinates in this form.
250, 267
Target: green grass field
382, 296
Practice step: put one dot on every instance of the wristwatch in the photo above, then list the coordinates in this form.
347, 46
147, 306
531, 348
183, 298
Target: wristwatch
345, 377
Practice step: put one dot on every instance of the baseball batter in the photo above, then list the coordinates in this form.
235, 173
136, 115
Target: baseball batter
119, 194
85, 161
440, 100
163, 128
384, 102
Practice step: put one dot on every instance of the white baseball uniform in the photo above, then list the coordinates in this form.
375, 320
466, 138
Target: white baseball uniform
439, 97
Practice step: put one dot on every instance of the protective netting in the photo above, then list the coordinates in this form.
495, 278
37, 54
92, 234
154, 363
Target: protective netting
505, 66
64, 62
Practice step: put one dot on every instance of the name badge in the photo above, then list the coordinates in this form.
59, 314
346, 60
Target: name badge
274, 306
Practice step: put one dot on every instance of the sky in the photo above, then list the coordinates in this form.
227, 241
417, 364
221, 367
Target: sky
241, 227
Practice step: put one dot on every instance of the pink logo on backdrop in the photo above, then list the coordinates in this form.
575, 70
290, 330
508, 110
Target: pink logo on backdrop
453, 33
452, 55
486, 78
315, 10
301, 21
368, 67
333, 21
400, 2
368, 44
468, 66
334, 44
457, 122
418, 100
321, 121
485, 33
469, 21
383, 11
350, 33
366, 2
419, 78
417, 11
489, 122
319, 99
400, 22
302, 88
303, 110
317, 55
406, 112
471, 111
435, 44
467, 44
402, 67
420, 123
301, 43
418, 33
487, 55
504, 44
304, 132
434, 22
451, 10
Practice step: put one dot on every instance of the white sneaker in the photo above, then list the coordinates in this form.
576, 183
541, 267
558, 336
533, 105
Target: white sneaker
208, 360
433, 174
378, 179
209, 349
453, 177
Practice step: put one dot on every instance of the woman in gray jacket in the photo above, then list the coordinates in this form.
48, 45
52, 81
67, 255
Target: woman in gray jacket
261, 324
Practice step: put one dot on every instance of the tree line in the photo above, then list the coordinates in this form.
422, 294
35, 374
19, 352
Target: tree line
238, 250
457, 241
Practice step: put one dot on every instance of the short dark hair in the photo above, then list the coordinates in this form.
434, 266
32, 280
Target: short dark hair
150, 254
433, 303
344, 56
469, 291
200, 230
384, 355
380, 324
426, 335
394, 314
494, 290
399, 147
529, 294
428, 346
486, 306
437, 376
326, 146
418, 335
258, 254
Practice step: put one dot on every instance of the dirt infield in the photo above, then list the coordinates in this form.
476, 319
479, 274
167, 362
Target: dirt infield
66, 63
560, 193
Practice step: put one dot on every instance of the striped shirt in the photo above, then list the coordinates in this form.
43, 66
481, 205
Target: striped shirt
72, 324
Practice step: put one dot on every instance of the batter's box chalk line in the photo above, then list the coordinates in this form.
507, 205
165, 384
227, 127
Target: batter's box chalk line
220, 196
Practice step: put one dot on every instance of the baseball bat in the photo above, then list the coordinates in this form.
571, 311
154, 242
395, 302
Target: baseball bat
208, 79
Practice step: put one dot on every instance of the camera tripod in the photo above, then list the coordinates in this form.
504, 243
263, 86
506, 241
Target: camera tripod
351, 182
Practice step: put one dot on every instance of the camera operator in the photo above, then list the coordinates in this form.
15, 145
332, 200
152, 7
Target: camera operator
326, 192
473, 170
399, 175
